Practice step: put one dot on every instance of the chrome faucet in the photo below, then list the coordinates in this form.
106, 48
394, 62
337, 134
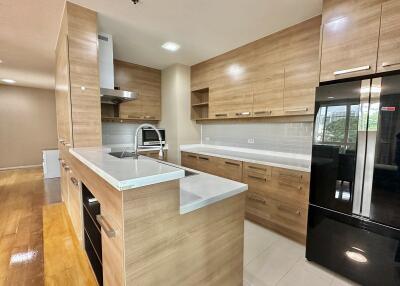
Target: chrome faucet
161, 153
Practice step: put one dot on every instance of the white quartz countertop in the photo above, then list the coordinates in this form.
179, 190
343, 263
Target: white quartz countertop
299, 162
126, 174
196, 190
129, 147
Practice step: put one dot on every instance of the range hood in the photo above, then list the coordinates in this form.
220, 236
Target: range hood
110, 94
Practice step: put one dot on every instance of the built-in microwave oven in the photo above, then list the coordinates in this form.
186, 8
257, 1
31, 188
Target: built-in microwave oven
150, 138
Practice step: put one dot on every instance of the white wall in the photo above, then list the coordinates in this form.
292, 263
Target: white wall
175, 110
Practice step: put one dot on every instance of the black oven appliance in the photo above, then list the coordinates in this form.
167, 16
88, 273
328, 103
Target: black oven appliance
354, 210
149, 137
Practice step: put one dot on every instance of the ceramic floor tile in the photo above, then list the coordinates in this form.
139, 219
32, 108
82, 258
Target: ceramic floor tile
270, 266
341, 281
307, 274
256, 240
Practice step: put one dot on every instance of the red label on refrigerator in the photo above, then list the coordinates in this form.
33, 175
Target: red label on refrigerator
388, 108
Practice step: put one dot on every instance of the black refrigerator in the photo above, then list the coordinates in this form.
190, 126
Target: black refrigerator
354, 206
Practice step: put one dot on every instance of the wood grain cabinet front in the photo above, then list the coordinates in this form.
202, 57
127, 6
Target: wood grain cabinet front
74, 206
189, 160
389, 40
350, 35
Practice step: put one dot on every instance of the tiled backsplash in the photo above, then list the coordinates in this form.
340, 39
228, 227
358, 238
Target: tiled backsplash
280, 137
118, 133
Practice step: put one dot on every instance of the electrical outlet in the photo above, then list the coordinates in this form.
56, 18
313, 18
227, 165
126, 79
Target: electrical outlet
250, 140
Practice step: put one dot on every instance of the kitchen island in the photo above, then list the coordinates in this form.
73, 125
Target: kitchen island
160, 224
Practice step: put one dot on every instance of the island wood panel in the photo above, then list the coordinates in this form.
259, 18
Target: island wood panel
389, 40
112, 211
147, 83
84, 77
350, 35
301, 67
74, 205
163, 247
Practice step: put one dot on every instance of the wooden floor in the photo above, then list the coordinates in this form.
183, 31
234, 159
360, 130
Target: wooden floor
37, 245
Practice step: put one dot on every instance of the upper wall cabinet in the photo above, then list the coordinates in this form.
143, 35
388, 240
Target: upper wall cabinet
301, 67
147, 83
350, 35
389, 43
274, 76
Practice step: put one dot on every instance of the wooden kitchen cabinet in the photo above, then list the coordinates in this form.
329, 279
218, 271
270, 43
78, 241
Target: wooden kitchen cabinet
189, 160
389, 40
301, 67
229, 169
154, 154
278, 199
268, 93
76, 79
147, 83
200, 76
350, 35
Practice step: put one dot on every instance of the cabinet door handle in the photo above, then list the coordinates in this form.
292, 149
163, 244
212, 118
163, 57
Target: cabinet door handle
61, 141
74, 181
192, 156
134, 116
221, 115
257, 168
256, 198
247, 113
357, 69
304, 109
269, 112
149, 117
384, 65
204, 158
110, 232
257, 178
232, 164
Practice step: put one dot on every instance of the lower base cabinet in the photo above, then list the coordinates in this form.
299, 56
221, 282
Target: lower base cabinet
277, 198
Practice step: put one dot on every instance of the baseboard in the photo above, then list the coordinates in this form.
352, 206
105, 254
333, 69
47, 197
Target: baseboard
20, 167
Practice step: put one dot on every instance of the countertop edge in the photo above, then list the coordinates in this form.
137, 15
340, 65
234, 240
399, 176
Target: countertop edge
203, 203
301, 169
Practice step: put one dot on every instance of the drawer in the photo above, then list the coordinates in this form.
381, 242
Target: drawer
290, 176
258, 178
229, 169
189, 160
285, 218
206, 164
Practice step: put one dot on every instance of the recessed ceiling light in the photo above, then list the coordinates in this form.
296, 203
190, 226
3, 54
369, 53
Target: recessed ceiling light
6, 80
171, 46
1, 61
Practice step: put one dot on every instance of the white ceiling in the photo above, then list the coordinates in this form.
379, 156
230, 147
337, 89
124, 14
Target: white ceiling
203, 28
28, 35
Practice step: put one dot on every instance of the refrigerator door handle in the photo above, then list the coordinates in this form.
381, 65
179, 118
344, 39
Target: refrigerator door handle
361, 145
373, 119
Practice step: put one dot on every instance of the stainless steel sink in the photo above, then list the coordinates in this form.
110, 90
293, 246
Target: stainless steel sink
122, 155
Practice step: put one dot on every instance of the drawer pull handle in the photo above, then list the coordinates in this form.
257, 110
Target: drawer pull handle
74, 181
256, 198
257, 178
61, 141
269, 112
149, 117
110, 232
257, 168
247, 113
290, 186
192, 156
300, 177
304, 109
221, 115
357, 69
384, 65
204, 158
232, 164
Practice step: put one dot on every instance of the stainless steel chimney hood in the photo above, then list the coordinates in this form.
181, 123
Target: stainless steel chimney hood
116, 96
109, 94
